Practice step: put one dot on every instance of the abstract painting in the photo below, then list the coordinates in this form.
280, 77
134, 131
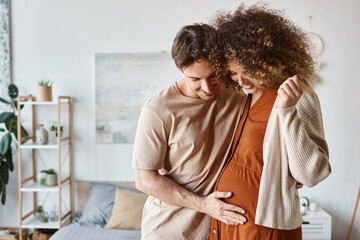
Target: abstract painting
124, 82
4, 50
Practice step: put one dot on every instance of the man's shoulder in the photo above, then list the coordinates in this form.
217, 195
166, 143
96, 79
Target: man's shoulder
161, 98
229, 95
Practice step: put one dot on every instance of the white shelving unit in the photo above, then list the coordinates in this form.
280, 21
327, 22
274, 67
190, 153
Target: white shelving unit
33, 102
37, 187
34, 223
31, 145
30, 184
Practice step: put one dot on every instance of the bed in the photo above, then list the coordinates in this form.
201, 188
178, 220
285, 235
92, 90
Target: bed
105, 210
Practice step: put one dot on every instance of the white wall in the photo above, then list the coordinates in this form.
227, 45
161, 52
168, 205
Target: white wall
57, 40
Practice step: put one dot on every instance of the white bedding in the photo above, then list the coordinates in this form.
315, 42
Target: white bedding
73, 232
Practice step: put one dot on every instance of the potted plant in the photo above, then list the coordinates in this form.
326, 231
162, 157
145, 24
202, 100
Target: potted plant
42, 177
8, 131
44, 219
51, 178
61, 131
53, 131
39, 212
44, 91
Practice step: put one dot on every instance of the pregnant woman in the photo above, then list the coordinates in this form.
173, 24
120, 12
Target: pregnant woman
280, 139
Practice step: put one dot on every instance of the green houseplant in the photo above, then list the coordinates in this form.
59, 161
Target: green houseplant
45, 83
44, 219
8, 129
39, 212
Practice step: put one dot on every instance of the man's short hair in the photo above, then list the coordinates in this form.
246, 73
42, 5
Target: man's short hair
193, 43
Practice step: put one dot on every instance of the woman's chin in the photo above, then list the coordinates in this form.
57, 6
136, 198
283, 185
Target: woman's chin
248, 91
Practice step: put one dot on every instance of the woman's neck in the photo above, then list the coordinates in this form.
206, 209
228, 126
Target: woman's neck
255, 96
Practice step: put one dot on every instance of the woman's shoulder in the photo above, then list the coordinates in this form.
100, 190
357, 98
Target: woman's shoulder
309, 96
309, 105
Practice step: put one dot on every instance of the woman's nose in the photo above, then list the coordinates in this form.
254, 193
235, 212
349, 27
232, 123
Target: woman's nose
235, 78
239, 79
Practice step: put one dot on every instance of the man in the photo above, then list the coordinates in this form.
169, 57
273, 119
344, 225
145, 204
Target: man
183, 138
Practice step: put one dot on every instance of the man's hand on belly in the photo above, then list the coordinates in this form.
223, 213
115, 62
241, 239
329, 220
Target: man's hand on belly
225, 212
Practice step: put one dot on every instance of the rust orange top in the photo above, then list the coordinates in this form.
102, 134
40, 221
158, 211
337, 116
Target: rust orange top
242, 173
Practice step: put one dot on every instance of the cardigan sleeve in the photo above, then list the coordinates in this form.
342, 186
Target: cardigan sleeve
303, 131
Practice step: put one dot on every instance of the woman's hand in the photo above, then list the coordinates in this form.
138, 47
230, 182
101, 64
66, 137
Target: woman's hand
299, 185
290, 92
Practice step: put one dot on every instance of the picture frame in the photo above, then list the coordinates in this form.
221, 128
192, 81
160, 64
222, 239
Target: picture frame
124, 82
5, 57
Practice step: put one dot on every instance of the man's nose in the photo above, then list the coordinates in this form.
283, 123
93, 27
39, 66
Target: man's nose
206, 85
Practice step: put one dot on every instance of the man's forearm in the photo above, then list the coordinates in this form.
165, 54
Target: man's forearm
165, 189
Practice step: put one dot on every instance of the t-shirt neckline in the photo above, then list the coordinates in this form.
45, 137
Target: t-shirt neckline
177, 91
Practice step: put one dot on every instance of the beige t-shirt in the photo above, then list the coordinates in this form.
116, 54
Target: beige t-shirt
188, 140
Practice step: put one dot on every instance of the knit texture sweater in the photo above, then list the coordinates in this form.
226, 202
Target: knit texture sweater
294, 150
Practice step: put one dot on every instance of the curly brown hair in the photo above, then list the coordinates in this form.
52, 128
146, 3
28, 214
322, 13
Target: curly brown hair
269, 47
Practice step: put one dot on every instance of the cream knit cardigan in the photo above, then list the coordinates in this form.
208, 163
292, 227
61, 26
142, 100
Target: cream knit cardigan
294, 150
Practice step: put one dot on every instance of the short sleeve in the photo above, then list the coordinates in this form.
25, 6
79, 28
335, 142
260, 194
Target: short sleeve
150, 143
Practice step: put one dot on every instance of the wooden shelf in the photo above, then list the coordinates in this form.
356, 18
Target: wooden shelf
37, 187
28, 185
31, 145
34, 223
44, 103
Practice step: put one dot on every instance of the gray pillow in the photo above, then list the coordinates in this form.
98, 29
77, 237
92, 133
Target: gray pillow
99, 206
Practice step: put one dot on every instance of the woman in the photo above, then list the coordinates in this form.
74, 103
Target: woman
280, 139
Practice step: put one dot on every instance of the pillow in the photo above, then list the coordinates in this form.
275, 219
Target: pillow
127, 211
99, 205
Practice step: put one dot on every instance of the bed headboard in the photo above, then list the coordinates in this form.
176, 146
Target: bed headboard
82, 191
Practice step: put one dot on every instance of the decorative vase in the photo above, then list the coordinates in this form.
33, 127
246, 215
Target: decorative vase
43, 93
41, 177
51, 179
304, 204
42, 135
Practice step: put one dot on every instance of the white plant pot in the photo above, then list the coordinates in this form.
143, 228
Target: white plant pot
51, 180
